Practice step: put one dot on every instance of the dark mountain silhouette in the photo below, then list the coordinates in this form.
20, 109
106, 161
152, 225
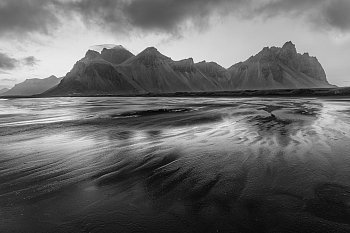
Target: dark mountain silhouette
279, 68
118, 71
116, 55
33, 86
95, 75
157, 73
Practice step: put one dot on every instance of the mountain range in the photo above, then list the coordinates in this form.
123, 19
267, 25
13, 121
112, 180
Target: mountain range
33, 86
279, 68
116, 71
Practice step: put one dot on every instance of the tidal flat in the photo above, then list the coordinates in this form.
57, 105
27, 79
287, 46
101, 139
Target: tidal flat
161, 164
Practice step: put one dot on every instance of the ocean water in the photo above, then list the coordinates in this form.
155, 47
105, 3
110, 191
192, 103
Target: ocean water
174, 165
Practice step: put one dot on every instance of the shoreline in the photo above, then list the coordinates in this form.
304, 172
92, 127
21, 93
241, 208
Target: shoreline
315, 92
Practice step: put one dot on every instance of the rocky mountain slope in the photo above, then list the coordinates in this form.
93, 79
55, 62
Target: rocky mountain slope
148, 72
95, 75
279, 68
156, 73
118, 71
33, 86
116, 55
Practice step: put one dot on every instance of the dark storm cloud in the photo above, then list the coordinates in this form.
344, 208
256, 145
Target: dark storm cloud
27, 16
7, 63
106, 14
327, 14
151, 15
337, 14
10, 63
169, 16
30, 61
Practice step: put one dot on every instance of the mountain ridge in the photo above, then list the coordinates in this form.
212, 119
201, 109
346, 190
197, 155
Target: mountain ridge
279, 68
32, 86
118, 71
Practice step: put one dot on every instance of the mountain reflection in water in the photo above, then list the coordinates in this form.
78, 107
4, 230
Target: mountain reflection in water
174, 165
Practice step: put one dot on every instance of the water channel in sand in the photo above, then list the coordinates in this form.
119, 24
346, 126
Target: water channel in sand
174, 165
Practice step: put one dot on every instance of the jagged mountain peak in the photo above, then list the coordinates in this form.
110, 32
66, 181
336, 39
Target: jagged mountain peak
209, 64
116, 47
152, 51
100, 47
119, 47
149, 57
212, 69
152, 72
266, 53
188, 61
283, 67
116, 55
286, 53
91, 54
184, 65
289, 45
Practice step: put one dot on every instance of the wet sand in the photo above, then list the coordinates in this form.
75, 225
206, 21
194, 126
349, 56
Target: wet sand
175, 165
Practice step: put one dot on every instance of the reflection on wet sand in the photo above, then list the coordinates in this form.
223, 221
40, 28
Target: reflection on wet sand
186, 165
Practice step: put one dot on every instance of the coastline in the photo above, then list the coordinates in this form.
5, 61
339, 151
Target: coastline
315, 92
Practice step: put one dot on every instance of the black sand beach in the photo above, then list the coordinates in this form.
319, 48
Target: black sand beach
174, 165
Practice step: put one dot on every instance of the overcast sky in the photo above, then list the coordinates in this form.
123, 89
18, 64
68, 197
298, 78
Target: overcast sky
39, 38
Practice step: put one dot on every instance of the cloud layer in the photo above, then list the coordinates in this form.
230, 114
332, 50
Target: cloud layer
338, 15
30, 61
20, 17
6, 62
9, 63
27, 16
